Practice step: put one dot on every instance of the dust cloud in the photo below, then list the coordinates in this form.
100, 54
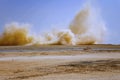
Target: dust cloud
87, 27
15, 34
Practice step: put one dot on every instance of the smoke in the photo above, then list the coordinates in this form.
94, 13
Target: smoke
87, 27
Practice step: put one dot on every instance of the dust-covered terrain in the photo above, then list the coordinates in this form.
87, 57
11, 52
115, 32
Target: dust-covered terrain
59, 62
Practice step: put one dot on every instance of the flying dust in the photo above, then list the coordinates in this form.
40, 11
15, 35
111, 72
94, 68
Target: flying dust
15, 34
86, 28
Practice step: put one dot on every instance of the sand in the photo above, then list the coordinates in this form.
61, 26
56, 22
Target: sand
55, 62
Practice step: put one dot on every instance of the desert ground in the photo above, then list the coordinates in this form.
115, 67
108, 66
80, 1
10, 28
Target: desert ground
60, 62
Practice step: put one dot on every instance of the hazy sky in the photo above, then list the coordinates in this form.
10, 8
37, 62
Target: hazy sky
44, 15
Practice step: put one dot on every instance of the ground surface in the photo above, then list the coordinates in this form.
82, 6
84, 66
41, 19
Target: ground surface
83, 62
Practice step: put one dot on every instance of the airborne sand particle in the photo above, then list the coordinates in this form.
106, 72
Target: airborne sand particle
86, 28
15, 34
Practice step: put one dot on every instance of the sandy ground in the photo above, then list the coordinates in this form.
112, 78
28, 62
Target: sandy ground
84, 62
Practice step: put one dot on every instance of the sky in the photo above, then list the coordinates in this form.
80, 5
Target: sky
44, 15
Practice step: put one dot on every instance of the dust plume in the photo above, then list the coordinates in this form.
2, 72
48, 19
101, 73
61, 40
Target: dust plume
15, 34
87, 27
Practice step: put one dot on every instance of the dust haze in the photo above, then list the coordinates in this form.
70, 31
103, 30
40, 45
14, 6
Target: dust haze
87, 27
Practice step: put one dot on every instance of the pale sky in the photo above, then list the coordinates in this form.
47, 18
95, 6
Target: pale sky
44, 15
